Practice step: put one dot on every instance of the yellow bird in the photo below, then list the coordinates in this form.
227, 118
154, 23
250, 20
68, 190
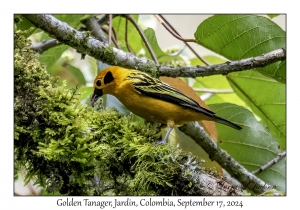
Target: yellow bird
151, 99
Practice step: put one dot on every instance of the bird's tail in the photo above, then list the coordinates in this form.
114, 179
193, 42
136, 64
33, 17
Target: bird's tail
226, 122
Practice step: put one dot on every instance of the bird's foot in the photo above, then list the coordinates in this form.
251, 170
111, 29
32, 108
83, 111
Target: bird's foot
164, 141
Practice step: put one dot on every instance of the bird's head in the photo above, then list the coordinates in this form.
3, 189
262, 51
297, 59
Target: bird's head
105, 82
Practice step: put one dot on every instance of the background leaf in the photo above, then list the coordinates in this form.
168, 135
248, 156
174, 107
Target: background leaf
243, 36
52, 55
215, 82
161, 56
265, 97
253, 146
134, 38
25, 25
272, 15
77, 74
85, 92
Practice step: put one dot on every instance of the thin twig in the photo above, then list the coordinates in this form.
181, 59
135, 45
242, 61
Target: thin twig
270, 163
171, 31
143, 37
115, 33
112, 38
126, 37
109, 28
209, 90
44, 45
165, 22
206, 96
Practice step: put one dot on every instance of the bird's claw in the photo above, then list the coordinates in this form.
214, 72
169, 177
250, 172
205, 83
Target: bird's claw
161, 142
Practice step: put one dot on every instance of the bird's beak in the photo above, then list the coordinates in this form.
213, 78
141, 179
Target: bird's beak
96, 95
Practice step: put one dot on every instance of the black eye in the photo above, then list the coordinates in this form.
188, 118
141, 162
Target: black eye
98, 83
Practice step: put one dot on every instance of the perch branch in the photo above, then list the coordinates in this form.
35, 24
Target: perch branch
235, 169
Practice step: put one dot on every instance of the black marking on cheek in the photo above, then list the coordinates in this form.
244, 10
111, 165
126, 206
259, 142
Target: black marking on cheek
108, 78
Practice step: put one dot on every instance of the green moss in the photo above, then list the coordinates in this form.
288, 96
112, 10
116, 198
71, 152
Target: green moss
69, 148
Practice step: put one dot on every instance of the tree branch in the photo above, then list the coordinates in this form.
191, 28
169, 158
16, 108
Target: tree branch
227, 67
109, 29
100, 51
92, 24
236, 170
44, 45
270, 163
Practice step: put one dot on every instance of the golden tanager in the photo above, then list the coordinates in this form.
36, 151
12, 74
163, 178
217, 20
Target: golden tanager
151, 99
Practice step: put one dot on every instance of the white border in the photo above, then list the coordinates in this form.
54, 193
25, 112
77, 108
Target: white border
173, 7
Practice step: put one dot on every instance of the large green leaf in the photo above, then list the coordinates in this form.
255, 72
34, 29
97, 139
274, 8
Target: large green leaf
253, 146
243, 36
150, 35
272, 15
266, 97
134, 38
50, 56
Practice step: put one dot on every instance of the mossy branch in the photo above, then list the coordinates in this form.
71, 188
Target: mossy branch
249, 180
70, 148
85, 44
